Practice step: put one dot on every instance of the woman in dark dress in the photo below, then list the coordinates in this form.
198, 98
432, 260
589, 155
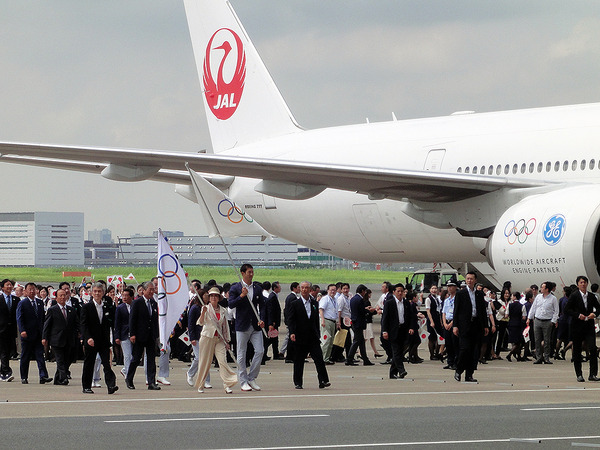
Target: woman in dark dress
517, 315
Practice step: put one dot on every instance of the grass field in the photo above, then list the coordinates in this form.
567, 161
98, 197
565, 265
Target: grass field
205, 273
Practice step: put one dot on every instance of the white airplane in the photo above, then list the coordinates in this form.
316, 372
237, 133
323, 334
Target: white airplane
515, 194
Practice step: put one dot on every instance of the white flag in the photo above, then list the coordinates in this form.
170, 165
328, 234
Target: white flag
130, 277
221, 214
172, 289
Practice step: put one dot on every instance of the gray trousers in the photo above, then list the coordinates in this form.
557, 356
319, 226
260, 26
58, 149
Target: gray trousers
543, 331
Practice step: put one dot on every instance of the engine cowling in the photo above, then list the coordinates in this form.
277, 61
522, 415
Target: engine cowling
549, 237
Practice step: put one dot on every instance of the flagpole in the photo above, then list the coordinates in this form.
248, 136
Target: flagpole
226, 249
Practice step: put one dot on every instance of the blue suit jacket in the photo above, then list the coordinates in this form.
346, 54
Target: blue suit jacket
121, 322
28, 321
244, 316
358, 313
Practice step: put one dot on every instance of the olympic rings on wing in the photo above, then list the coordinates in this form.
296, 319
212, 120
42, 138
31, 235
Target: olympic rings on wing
519, 230
163, 272
233, 208
164, 284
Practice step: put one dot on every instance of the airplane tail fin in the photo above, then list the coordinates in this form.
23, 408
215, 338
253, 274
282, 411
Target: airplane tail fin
241, 101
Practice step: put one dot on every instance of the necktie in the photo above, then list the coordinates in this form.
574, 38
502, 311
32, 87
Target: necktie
64, 312
8, 301
34, 305
149, 308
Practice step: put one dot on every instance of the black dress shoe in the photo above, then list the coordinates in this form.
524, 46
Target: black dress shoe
387, 361
45, 380
350, 363
447, 367
470, 380
129, 385
154, 387
394, 376
113, 389
580, 378
61, 383
593, 378
329, 363
538, 361
24, 381
88, 391
547, 361
457, 376
298, 386
368, 363
402, 374
324, 384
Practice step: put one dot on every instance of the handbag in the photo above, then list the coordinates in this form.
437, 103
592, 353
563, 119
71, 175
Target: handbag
340, 338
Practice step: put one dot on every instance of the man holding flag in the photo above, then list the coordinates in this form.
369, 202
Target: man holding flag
247, 298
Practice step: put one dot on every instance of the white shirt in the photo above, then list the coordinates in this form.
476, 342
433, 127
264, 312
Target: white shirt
544, 308
584, 296
344, 305
329, 307
98, 310
306, 305
400, 307
381, 301
473, 304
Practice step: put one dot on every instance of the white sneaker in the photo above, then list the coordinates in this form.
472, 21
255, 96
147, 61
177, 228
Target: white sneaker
228, 390
163, 380
246, 387
123, 372
96, 384
207, 385
253, 385
190, 380
200, 390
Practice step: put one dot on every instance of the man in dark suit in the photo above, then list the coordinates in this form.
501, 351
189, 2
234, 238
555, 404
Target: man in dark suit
121, 332
303, 319
287, 348
583, 308
358, 315
8, 328
143, 332
61, 332
273, 320
30, 320
470, 325
248, 328
95, 332
397, 322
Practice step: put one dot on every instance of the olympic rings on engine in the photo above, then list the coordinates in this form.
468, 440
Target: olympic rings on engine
232, 212
519, 230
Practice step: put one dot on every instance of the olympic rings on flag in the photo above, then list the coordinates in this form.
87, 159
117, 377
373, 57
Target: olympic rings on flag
232, 212
519, 230
160, 268
164, 284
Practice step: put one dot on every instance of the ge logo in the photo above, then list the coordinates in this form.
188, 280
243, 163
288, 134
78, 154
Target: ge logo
554, 229
519, 230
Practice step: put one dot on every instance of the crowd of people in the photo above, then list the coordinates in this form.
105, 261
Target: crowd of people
466, 325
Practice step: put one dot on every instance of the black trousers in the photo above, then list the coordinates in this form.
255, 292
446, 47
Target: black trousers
88, 366
136, 357
5, 353
358, 343
31, 349
590, 340
63, 356
301, 351
271, 342
451, 342
469, 346
397, 345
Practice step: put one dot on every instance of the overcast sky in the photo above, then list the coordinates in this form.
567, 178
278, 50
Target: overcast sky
121, 74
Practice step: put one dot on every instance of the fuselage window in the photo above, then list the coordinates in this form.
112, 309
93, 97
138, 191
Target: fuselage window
506, 169
459, 170
523, 167
490, 170
592, 164
565, 166
474, 169
515, 168
582, 164
548, 166
498, 169
540, 165
467, 170
482, 170
574, 165
556, 166
531, 167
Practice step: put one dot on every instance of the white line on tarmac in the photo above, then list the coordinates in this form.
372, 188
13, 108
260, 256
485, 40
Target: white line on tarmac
299, 396
560, 408
183, 419
404, 444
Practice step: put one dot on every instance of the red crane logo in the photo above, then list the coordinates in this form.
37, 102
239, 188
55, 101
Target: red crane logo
224, 97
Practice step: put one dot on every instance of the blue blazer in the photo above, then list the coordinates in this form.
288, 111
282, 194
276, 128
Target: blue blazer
194, 329
244, 316
358, 313
28, 321
121, 322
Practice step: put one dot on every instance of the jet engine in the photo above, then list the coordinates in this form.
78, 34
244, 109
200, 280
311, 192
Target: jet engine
548, 237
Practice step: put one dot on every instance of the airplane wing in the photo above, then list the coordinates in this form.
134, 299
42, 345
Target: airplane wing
289, 178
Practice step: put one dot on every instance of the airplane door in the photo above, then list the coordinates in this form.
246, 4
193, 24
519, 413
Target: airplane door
434, 160
371, 225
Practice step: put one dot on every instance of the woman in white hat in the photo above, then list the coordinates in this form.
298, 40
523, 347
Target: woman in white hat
214, 341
